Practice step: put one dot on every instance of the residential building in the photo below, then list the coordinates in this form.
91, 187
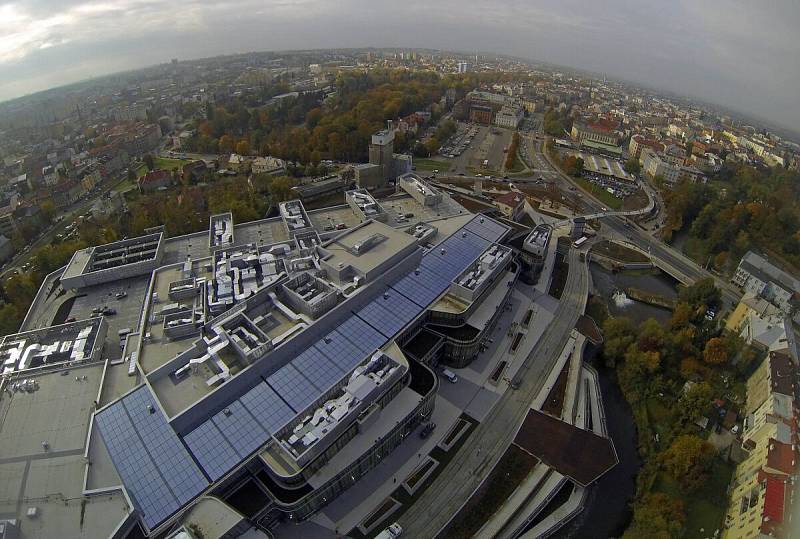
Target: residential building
67, 193
154, 180
761, 494
640, 142
268, 165
602, 131
238, 163
509, 116
756, 274
480, 114
49, 175
654, 166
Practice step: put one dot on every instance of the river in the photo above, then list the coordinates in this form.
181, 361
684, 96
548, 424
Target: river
606, 284
607, 512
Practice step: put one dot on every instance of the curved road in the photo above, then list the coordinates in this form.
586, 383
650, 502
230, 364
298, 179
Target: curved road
474, 461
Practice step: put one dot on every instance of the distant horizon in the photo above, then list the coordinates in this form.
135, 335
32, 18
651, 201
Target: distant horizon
733, 54
764, 122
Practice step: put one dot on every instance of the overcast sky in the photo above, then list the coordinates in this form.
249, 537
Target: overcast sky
738, 53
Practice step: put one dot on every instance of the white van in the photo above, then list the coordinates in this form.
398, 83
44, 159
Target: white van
391, 532
450, 375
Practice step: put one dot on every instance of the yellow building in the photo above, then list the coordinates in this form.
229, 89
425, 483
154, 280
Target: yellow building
760, 496
759, 499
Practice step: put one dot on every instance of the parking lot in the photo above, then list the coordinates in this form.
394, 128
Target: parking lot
458, 143
128, 309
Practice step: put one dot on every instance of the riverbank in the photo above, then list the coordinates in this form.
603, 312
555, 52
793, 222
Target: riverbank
607, 511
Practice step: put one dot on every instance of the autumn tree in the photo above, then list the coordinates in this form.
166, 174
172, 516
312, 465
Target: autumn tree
48, 210
618, 335
695, 401
243, 147
715, 352
688, 459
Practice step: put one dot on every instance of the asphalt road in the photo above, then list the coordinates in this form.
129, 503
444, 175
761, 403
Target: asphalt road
77, 209
616, 225
475, 460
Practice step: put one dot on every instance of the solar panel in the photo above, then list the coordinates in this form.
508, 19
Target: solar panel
267, 407
154, 465
321, 371
389, 312
241, 429
439, 267
165, 448
144, 483
211, 450
489, 229
422, 289
293, 387
345, 352
362, 335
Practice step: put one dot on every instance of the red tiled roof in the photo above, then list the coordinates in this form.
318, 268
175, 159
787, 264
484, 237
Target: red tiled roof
774, 498
781, 457
154, 176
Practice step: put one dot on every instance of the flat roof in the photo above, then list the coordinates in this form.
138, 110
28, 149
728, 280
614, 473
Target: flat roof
155, 464
342, 247
73, 341
580, 454
50, 479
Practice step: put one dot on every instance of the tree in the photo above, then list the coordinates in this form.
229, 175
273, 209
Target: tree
657, 515
9, 319
48, 210
226, 144
149, 162
432, 145
243, 147
703, 293
632, 166
715, 352
618, 335
280, 189
694, 402
651, 336
688, 459
348, 175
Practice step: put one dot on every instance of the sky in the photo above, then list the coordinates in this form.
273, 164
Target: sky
738, 53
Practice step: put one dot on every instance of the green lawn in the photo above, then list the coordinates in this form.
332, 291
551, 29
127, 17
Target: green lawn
601, 194
141, 171
518, 165
431, 164
705, 509
165, 163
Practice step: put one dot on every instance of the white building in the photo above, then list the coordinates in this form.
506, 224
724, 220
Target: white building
508, 116
760, 277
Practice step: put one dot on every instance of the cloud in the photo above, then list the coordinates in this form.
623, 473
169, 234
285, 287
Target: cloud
741, 54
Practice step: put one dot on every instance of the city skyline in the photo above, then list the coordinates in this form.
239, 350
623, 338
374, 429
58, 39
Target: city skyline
737, 58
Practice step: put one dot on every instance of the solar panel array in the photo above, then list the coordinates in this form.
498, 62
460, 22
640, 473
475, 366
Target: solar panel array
155, 466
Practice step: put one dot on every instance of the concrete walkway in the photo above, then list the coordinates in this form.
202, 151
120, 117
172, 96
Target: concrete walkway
560, 516
529, 486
